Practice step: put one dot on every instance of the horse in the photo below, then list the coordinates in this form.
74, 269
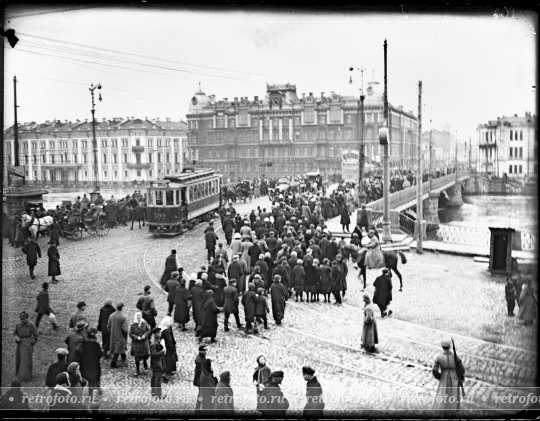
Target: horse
138, 212
36, 225
390, 260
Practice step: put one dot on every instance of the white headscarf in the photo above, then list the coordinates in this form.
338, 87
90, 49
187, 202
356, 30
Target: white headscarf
165, 323
135, 320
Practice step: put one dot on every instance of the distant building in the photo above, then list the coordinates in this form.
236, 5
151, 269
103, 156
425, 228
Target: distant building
442, 149
284, 134
509, 146
129, 151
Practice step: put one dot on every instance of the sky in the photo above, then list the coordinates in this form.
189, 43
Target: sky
150, 62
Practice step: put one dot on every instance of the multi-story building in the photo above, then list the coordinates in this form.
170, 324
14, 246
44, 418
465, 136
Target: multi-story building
128, 151
442, 149
509, 146
284, 134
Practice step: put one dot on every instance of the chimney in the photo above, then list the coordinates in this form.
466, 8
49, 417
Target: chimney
303, 94
86, 120
104, 120
311, 94
255, 98
322, 94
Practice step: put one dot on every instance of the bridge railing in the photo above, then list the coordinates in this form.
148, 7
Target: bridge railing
406, 224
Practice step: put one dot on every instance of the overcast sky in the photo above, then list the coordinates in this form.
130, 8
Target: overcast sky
473, 68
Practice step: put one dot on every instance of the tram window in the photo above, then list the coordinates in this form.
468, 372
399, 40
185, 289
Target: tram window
150, 197
159, 198
183, 196
177, 197
169, 195
190, 194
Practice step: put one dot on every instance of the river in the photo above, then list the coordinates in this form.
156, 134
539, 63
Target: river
520, 212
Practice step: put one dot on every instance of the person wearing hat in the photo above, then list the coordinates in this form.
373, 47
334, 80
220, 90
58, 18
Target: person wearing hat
221, 252
171, 265
156, 356
75, 341
170, 288
145, 303
449, 370
227, 224
210, 239
249, 301
298, 278
54, 262
78, 316
273, 403
104, 314
56, 368
199, 360
230, 304
44, 308
182, 297
197, 300
26, 336
236, 244
209, 323
370, 336
139, 332
224, 398
91, 361
374, 257
237, 271
118, 326
383, 292
32, 251
314, 395
261, 376
344, 269
14, 399
261, 308
168, 340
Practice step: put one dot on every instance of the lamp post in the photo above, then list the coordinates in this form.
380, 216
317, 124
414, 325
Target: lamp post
386, 234
94, 195
360, 138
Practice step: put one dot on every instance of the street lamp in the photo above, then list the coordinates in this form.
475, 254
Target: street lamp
384, 135
94, 195
360, 138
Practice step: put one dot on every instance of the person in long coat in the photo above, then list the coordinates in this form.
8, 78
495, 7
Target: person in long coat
118, 327
314, 400
171, 357
43, 306
54, 262
278, 297
32, 251
90, 361
145, 303
197, 299
14, 399
298, 278
207, 385
139, 332
261, 376
75, 342
527, 304
170, 288
345, 219
230, 304
209, 321
181, 306
236, 271
56, 368
246, 245
275, 404
249, 301
448, 397
170, 266
370, 336
336, 281
224, 401
104, 314
55, 232
26, 336
325, 285
374, 257
236, 244
383, 292
77, 383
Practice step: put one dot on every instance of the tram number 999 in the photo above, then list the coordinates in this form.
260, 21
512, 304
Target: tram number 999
162, 216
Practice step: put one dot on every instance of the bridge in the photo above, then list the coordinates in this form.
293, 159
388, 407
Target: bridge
449, 185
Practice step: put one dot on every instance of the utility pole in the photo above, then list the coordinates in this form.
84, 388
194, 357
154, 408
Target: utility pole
455, 158
419, 191
360, 138
386, 234
16, 125
94, 195
470, 152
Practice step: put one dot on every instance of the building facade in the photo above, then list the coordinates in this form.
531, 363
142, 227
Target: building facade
129, 151
283, 134
442, 149
509, 146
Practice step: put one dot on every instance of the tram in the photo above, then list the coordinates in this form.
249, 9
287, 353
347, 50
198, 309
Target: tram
180, 201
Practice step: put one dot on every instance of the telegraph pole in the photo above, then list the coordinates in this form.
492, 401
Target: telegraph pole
386, 234
419, 191
360, 138
95, 193
16, 125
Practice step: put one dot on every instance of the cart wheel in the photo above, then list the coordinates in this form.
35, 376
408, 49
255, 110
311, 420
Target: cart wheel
92, 230
68, 235
104, 230
77, 234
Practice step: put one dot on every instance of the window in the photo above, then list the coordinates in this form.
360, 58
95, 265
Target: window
309, 115
138, 173
510, 169
114, 143
116, 175
75, 158
349, 119
296, 135
51, 144
125, 158
125, 142
103, 143
159, 197
137, 142
150, 158
167, 157
521, 153
84, 158
115, 160
175, 143
104, 174
521, 135
511, 135
210, 154
520, 168
176, 157
125, 174
52, 159
167, 142
322, 119
297, 121
335, 114
86, 174
511, 151
255, 122
231, 122
159, 157
104, 158
43, 143
169, 198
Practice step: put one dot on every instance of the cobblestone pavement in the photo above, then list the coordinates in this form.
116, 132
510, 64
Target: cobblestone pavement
325, 336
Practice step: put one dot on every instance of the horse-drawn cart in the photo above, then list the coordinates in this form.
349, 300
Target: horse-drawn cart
95, 222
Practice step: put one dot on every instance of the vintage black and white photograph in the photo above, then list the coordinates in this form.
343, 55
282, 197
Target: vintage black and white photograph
269, 213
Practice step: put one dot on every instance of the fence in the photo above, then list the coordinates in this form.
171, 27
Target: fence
529, 241
406, 224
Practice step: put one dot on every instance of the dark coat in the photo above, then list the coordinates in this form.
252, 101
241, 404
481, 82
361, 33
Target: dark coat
298, 278
326, 281
170, 287
181, 309
90, 361
345, 218
43, 305
54, 261
278, 296
314, 400
224, 402
275, 404
32, 251
156, 356
104, 314
207, 386
209, 319
118, 328
198, 369
383, 291
231, 300
171, 357
336, 278
54, 370
284, 272
140, 348
197, 294
236, 271
261, 308
210, 239
324, 244
74, 343
249, 301
218, 293
170, 266
227, 225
